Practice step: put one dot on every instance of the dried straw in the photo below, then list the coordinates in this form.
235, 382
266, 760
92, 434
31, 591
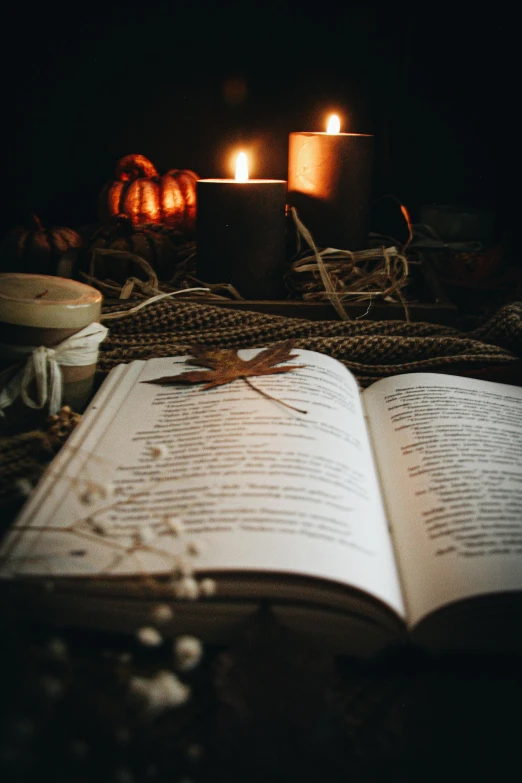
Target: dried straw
341, 276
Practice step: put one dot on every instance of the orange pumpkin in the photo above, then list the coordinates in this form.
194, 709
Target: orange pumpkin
146, 197
36, 249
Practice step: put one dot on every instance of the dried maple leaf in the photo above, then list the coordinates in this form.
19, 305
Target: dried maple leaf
224, 366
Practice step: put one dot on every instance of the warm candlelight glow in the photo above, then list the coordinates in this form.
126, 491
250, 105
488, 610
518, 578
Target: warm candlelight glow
334, 124
241, 168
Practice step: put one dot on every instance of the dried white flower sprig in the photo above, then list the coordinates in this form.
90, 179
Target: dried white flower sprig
146, 537
162, 535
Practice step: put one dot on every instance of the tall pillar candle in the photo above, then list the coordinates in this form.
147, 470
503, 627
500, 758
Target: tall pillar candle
44, 310
241, 235
329, 184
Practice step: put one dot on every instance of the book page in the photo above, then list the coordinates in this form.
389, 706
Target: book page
250, 483
449, 451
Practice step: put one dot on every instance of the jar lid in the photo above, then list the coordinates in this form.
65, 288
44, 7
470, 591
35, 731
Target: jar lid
47, 301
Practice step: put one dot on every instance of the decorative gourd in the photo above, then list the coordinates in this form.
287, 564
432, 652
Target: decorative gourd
36, 249
155, 243
473, 268
146, 197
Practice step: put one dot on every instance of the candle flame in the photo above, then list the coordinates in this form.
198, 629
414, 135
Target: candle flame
334, 124
242, 168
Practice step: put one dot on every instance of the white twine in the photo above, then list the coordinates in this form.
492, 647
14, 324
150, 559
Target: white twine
147, 302
43, 366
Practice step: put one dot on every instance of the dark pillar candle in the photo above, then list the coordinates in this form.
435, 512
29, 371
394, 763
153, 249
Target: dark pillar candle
241, 235
329, 184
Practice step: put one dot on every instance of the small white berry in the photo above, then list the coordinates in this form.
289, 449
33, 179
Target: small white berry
188, 652
162, 613
150, 637
207, 586
160, 692
186, 588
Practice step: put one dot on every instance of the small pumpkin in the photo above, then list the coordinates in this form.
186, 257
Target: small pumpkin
35, 249
474, 268
138, 191
158, 245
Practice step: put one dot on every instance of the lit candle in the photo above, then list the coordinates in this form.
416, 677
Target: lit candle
39, 312
329, 184
241, 233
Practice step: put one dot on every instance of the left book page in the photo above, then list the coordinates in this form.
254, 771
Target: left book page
256, 486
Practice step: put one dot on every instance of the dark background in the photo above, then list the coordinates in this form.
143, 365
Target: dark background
184, 82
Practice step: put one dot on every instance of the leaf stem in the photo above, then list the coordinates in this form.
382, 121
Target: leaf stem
269, 396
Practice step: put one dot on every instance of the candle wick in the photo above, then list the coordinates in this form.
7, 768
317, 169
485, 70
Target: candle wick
40, 296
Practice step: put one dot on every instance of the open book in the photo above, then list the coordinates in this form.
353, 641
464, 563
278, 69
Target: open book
371, 518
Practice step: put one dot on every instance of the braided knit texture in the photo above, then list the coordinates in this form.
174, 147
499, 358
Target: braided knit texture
370, 349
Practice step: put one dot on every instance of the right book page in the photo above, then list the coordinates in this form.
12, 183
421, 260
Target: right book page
449, 455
